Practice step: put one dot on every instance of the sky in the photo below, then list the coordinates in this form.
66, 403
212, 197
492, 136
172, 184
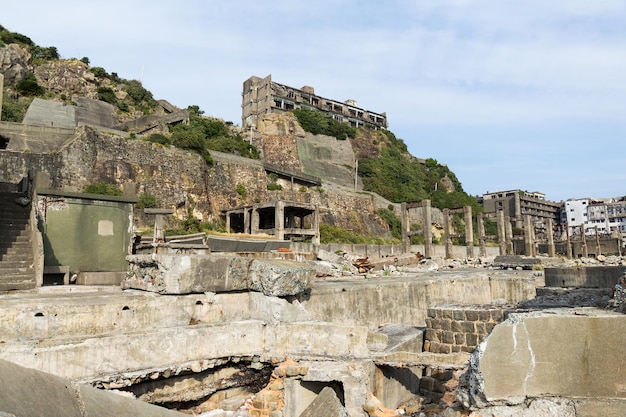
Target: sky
526, 95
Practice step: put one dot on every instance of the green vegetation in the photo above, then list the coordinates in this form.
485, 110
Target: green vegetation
395, 224
274, 187
107, 94
37, 52
241, 190
399, 177
147, 200
103, 188
191, 225
158, 138
29, 86
14, 109
204, 133
319, 123
333, 234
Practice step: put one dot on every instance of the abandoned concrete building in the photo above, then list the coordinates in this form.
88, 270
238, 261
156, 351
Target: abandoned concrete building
281, 219
518, 203
262, 95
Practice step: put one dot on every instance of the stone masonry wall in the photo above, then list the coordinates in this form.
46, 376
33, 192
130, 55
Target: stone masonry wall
181, 180
452, 328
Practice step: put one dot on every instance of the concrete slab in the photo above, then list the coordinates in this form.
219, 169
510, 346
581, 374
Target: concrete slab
27, 393
560, 352
186, 274
326, 404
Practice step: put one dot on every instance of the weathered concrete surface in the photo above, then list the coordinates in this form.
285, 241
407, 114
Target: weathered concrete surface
325, 405
186, 274
584, 276
560, 352
28, 393
405, 300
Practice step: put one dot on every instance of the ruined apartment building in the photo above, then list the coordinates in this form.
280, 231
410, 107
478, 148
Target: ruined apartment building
518, 203
262, 95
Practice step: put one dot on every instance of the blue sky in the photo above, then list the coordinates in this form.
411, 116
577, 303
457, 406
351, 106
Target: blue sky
524, 95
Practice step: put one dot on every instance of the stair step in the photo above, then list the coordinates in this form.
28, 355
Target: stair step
15, 264
21, 283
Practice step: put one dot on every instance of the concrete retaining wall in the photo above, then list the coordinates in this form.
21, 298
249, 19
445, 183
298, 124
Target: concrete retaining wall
584, 276
405, 300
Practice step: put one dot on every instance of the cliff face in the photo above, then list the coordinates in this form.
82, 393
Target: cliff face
181, 180
14, 63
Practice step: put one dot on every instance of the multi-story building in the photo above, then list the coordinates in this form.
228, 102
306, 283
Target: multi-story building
262, 95
518, 203
606, 216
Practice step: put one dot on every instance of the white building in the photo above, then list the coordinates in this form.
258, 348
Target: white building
606, 216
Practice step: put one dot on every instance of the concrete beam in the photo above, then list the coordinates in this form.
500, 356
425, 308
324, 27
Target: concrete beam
187, 274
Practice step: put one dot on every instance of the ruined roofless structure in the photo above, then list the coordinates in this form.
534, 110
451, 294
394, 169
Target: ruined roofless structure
262, 95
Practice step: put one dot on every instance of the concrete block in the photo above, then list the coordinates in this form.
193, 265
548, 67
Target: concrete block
186, 274
28, 392
566, 353
326, 404
584, 276
279, 278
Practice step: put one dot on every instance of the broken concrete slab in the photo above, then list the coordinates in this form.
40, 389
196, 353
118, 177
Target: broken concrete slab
559, 352
326, 404
514, 262
187, 274
28, 392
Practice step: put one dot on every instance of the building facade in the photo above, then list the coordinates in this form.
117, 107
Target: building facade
262, 95
604, 216
518, 203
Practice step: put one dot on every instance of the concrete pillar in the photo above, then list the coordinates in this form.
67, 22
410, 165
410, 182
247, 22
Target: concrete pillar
246, 221
316, 227
254, 220
469, 231
550, 233
501, 233
569, 244
1, 92
227, 222
510, 249
528, 236
428, 231
446, 228
280, 220
517, 210
159, 231
598, 248
406, 242
481, 235
583, 241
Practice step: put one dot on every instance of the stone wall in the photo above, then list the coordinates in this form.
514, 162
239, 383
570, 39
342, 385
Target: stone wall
452, 328
181, 180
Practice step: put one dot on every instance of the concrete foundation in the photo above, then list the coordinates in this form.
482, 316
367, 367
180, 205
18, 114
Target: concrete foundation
584, 276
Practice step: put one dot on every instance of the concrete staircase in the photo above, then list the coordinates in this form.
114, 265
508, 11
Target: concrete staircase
17, 270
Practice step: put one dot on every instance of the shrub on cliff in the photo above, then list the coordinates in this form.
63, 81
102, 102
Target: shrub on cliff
103, 188
319, 123
29, 86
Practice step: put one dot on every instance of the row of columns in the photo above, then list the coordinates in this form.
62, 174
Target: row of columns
505, 232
